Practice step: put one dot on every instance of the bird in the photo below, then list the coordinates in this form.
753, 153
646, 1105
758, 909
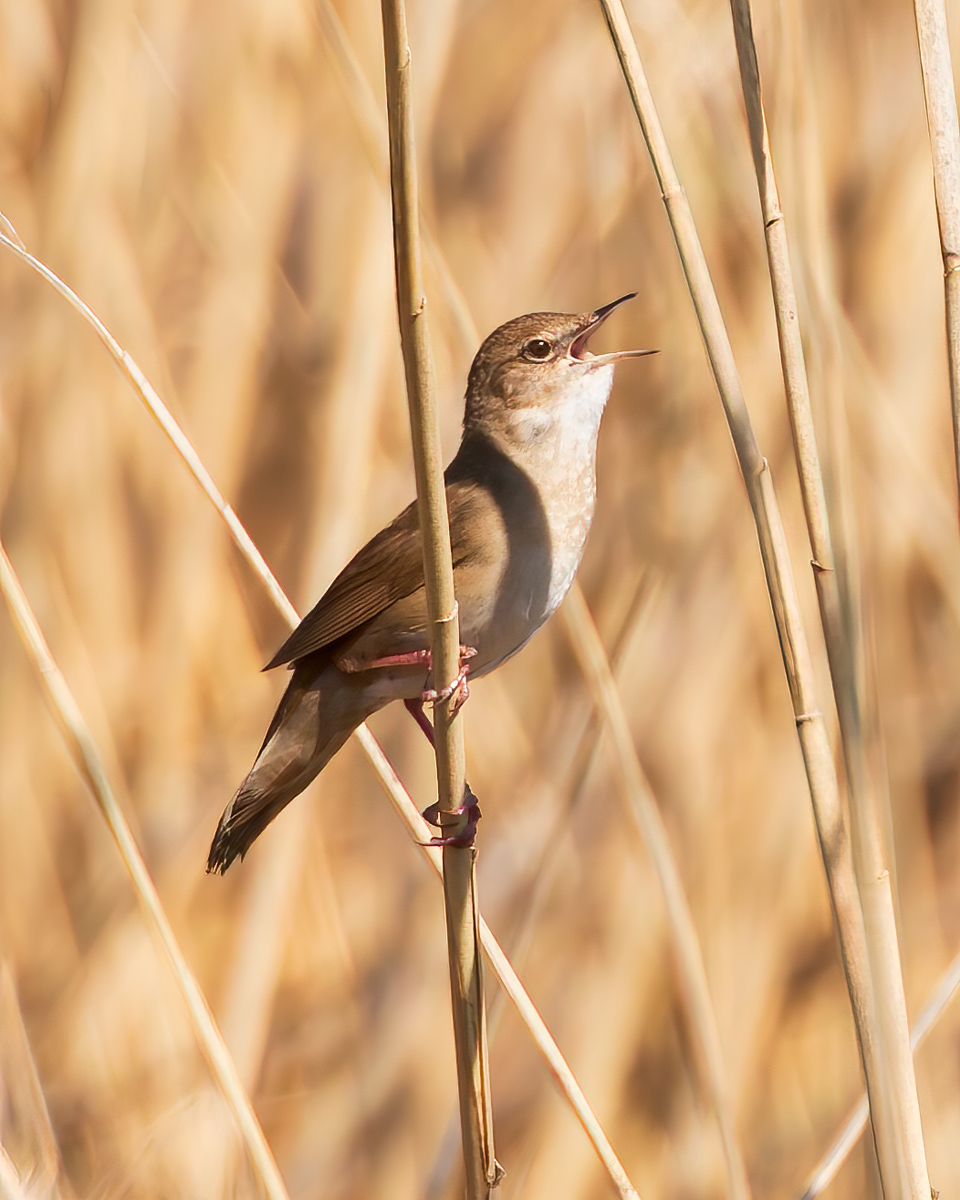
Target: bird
520, 494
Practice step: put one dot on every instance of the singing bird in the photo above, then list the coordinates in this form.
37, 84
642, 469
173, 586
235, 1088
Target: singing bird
520, 497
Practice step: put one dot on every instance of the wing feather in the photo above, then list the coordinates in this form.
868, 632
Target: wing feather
387, 568
390, 566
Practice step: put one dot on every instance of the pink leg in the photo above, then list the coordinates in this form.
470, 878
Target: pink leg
416, 658
412, 658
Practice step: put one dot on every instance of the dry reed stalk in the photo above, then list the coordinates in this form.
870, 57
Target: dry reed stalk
459, 876
897, 1123
529, 889
811, 728
161, 414
826, 1170
10, 1185
23, 1076
537, 877
944, 129
404, 805
685, 944
375, 141
509, 981
87, 760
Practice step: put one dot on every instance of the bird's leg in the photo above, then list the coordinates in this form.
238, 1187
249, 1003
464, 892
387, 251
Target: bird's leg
410, 658
442, 817
416, 658
415, 709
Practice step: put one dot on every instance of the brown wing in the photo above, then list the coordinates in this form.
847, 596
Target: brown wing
389, 567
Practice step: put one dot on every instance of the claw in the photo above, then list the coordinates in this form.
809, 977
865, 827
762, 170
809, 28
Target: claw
458, 688
465, 837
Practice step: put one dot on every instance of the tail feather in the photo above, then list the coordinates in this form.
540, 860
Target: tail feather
308, 728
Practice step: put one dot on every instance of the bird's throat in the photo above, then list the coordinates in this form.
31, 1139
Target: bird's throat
556, 446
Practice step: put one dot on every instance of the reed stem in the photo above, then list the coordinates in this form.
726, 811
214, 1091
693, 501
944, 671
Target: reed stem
897, 1127
89, 764
811, 728
459, 876
942, 123
694, 989
826, 1170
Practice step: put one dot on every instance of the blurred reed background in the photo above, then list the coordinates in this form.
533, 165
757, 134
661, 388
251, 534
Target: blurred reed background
202, 174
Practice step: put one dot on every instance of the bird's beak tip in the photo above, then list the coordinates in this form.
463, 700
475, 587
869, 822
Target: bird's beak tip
605, 310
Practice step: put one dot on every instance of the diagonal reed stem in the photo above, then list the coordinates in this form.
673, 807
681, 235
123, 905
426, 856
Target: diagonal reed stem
811, 729
899, 1134
826, 1170
691, 973
10, 1185
509, 980
459, 875
89, 764
402, 802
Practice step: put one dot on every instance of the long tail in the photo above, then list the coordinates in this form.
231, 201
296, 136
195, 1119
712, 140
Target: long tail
318, 712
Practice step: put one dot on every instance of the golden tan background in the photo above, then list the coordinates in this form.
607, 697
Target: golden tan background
201, 172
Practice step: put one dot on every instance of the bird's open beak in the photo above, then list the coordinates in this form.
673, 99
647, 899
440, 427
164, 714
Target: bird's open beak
578, 347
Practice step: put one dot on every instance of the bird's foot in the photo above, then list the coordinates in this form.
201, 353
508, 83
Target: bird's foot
443, 818
415, 658
458, 689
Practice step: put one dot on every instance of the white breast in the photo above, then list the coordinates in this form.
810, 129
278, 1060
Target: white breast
559, 451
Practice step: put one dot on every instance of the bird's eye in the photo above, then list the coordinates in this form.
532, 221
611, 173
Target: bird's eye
538, 349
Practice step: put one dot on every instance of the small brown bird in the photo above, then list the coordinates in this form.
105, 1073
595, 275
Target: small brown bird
520, 497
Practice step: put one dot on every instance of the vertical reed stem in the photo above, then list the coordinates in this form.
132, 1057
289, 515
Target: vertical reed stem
459, 875
811, 730
941, 102
899, 1135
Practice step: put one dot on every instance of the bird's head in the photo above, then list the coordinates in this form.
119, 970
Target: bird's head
541, 361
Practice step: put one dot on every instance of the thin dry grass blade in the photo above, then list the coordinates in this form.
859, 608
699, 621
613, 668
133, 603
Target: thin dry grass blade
899, 1131
88, 762
530, 888
825, 1171
941, 101
684, 941
10, 1185
459, 877
23, 1076
814, 741
161, 414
